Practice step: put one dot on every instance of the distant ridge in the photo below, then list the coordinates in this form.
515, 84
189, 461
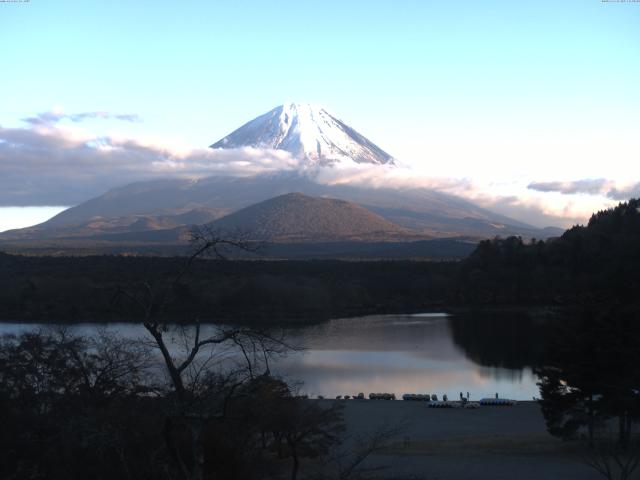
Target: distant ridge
166, 204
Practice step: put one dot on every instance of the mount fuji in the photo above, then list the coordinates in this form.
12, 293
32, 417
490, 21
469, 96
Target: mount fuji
308, 132
162, 210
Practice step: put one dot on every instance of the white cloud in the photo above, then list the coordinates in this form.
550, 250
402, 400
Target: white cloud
53, 162
625, 192
591, 186
47, 164
53, 117
510, 198
616, 190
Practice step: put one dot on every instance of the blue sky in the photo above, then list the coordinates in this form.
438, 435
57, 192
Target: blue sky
505, 93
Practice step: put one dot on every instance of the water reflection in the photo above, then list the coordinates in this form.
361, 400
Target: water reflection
508, 340
427, 353
410, 353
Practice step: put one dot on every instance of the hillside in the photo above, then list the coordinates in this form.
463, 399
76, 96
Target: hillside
426, 212
296, 217
135, 227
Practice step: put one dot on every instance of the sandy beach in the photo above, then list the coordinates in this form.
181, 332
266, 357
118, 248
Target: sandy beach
498, 443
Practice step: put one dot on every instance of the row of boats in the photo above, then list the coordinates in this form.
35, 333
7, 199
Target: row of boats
500, 402
433, 400
464, 401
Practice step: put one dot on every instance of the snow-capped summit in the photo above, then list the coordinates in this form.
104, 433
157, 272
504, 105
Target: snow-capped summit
308, 132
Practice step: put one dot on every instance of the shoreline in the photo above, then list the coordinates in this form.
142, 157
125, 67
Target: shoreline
278, 319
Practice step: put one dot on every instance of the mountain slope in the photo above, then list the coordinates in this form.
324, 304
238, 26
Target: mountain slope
307, 132
116, 227
427, 212
297, 217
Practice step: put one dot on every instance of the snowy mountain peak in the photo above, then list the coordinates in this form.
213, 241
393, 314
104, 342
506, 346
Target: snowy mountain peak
308, 132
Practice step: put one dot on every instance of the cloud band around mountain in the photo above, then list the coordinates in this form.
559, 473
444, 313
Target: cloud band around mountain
46, 164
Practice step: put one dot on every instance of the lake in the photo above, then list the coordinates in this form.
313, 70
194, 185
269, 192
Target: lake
418, 353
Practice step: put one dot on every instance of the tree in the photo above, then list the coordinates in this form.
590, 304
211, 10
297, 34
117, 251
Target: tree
290, 425
176, 405
66, 404
588, 378
348, 463
200, 395
613, 461
310, 430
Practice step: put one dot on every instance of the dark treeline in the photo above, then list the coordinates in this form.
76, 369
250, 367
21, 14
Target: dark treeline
588, 265
71, 289
588, 360
590, 380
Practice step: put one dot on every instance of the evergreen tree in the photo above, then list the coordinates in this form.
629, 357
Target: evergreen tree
591, 374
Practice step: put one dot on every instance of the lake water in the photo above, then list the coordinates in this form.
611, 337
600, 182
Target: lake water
423, 353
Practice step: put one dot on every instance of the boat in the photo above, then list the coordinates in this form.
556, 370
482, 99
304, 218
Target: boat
444, 404
416, 397
501, 402
382, 396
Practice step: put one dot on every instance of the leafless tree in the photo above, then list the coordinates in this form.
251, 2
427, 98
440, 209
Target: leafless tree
62, 391
612, 460
107, 363
349, 461
200, 392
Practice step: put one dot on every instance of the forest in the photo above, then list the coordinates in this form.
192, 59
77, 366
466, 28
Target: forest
82, 289
588, 265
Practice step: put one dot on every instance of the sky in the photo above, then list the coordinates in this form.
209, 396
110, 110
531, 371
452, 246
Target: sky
528, 108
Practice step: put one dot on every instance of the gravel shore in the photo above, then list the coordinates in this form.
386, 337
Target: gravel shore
498, 443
